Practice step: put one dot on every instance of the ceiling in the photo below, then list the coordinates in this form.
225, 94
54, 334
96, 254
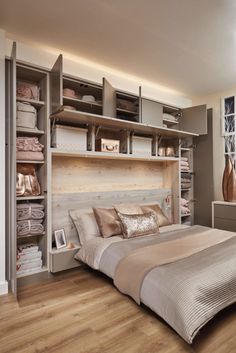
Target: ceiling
187, 45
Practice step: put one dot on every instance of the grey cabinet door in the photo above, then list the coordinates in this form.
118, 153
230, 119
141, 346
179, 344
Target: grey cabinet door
194, 119
108, 99
11, 170
203, 178
56, 85
151, 112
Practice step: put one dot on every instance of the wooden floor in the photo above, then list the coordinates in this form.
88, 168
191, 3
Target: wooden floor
81, 311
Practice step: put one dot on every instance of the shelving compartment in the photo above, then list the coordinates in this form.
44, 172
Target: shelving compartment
30, 230
127, 107
171, 117
82, 96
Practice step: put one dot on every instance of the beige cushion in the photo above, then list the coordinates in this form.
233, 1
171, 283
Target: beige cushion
139, 224
108, 221
128, 208
162, 219
85, 223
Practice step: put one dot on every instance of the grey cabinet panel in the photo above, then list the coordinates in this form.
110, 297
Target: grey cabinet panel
152, 112
11, 169
56, 85
64, 261
203, 178
225, 211
194, 119
225, 224
108, 100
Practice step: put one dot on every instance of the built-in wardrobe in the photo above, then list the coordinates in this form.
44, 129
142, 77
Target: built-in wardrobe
141, 169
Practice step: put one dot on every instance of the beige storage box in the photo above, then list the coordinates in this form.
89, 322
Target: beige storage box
108, 145
69, 138
142, 146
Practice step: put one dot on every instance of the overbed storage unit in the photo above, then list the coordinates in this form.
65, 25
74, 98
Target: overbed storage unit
147, 161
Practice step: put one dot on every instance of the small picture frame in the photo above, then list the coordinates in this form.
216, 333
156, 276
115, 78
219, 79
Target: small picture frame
60, 238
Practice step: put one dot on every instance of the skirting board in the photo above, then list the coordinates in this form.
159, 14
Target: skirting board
3, 287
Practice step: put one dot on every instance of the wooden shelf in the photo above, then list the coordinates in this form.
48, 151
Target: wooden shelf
76, 117
43, 269
28, 198
30, 132
185, 189
35, 103
81, 101
31, 162
185, 149
170, 122
107, 155
124, 111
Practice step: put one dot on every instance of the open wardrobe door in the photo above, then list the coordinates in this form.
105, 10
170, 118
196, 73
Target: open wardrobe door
56, 85
11, 170
194, 119
108, 100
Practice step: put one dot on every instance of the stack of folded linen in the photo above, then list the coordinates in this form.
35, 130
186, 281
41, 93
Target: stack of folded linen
184, 164
29, 149
184, 206
29, 219
186, 180
29, 259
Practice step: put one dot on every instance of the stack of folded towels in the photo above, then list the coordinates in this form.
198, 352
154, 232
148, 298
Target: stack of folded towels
186, 180
184, 206
29, 259
29, 219
29, 149
184, 164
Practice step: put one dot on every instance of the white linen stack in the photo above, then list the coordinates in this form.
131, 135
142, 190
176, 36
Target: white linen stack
184, 164
29, 259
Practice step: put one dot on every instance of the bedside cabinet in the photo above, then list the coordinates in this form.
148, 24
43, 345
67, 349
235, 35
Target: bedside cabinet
224, 215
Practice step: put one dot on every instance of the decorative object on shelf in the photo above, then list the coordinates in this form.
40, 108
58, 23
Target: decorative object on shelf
69, 107
70, 245
27, 90
88, 99
226, 174
26, 116
161, 151
142, 145
68, 92
108, 145
60, 238
27, 182
69, 138
231, 187
170, 151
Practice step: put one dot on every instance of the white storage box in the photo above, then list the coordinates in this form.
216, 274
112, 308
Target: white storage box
142, 145
69, 138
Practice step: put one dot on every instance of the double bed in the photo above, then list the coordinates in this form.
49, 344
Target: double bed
185, 274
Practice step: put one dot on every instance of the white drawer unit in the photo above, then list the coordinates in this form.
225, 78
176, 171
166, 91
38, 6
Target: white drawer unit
142, 145
69, 138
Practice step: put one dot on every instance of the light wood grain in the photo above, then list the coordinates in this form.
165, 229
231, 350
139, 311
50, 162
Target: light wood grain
81, 312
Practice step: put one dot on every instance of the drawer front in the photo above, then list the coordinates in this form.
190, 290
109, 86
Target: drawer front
226, 224
225, 211
63, 261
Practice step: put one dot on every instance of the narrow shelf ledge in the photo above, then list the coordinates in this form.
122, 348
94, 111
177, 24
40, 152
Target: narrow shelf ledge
19, 237
26, 198
30, 162
56, 251
30, 132
107, 155
34, 102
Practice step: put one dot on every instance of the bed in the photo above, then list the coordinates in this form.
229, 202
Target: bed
187, 287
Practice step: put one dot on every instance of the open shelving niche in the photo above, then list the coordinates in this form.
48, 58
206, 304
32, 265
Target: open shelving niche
40, 77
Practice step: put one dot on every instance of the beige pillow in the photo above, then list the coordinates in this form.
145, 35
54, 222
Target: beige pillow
128, 208
108, 221
139, 224
85, 223
161, 218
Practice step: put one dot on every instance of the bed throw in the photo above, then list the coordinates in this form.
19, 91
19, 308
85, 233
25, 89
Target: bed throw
132, 269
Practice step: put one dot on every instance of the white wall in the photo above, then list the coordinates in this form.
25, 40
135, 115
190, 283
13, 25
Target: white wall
3, 283
214, 101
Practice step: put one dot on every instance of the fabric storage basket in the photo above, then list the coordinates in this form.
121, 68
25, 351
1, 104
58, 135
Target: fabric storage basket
26, 116
142, 145
69, 138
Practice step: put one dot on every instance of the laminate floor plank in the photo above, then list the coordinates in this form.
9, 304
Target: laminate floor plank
80, 311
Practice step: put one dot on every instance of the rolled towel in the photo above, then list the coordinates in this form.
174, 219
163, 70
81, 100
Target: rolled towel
27, 211
33, 227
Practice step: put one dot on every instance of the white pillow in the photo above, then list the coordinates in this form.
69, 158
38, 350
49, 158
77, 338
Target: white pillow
85, 223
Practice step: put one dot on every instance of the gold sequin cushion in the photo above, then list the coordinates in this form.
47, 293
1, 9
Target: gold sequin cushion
138, 224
